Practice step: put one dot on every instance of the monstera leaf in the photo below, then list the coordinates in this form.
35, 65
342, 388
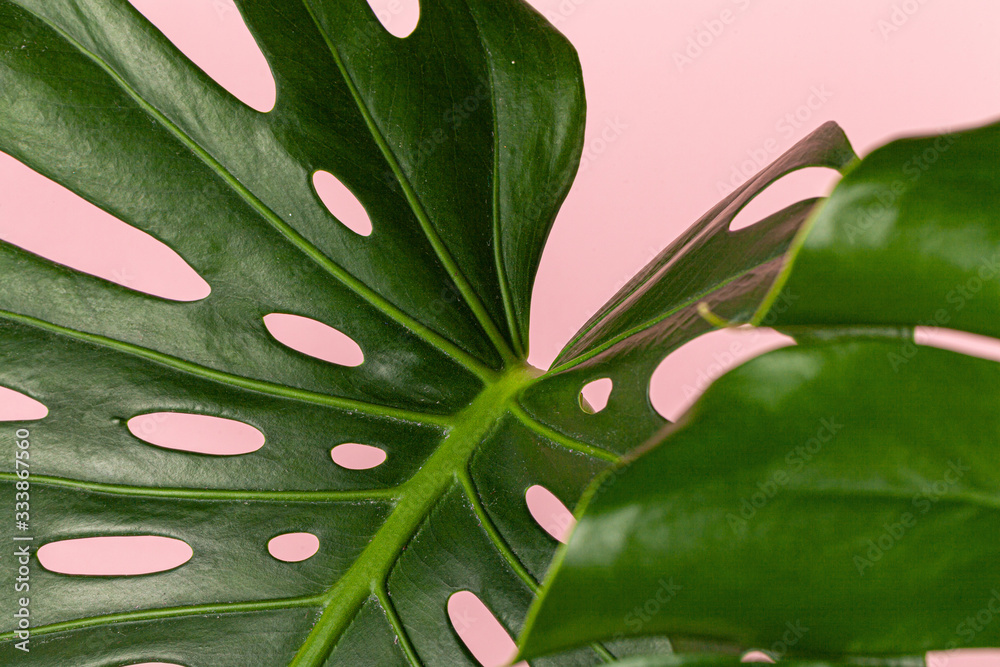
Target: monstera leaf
839, 497
95, 98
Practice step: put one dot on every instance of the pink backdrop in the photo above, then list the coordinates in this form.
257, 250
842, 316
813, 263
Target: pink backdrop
686, 99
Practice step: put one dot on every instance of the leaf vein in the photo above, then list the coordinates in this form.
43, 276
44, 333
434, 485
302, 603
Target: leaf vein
171, 612
437, 243
208, 494
230, 379
388, 309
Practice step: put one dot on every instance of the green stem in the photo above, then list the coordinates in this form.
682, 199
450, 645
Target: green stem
417, 498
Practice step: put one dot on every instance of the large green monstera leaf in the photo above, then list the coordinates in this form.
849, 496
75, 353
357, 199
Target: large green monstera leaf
838, 497
95, 98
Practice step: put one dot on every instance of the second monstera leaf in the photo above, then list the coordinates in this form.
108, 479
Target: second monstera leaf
846, 487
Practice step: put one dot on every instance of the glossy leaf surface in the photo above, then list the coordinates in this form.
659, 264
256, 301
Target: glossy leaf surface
846, 483
911, 236
94, 97
460, 142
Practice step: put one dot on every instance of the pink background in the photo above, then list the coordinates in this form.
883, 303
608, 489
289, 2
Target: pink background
684, 96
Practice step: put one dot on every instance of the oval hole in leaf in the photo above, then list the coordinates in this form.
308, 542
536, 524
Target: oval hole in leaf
756, 656
45, 218
973, 345
16, 407
549, 512
293, 547
480, 631
594, 395
686, 373
399, 17
986, 657
156, 664
341, 203
787, 190
314, 338
353, 456
125, 555
215, 38
200, 434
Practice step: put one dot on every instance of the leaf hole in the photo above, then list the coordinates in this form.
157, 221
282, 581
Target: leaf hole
398, 17
353, 456
594, 395
985, 657
480, 631
787, 190
47, 219
549, 512
293, 547
155, 664
756, 656
682, 377
199, 434
17, 407
974, 345
314, 338
126, 555
342, 203
214, 37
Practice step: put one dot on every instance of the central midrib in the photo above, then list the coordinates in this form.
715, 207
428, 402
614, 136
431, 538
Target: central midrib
416, 500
